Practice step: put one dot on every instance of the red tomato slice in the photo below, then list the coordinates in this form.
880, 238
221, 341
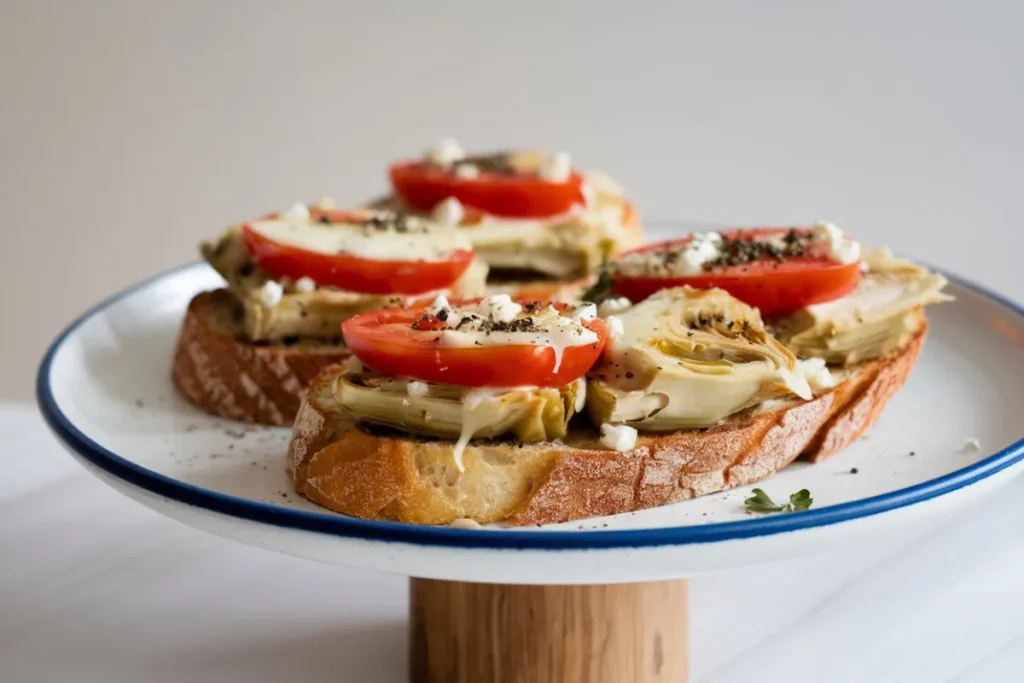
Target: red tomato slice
772, 286
513, 196
387, 341
353, 273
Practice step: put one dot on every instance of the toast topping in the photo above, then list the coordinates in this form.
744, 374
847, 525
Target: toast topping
380, 236
777, 270
707, 252
527, 414
875, 319
515, 221
308, 307
689, 358
511, 184
498, 321
491, 342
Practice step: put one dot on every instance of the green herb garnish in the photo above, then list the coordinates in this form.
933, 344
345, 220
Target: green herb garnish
601, 289
760, 502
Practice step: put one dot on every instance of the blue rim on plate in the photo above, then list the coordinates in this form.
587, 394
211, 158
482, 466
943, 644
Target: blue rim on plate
340, 525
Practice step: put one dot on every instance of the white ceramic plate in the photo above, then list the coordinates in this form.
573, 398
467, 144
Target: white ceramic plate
104, 388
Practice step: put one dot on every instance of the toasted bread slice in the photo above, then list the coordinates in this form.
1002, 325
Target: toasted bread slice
376, 474
219, 370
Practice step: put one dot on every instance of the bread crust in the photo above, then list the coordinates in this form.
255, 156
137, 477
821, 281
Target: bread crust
224, 374
372, 475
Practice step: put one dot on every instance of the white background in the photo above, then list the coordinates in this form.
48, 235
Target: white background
131, 130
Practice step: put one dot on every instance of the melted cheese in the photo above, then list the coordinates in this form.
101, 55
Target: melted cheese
476, 416
474, 326
525, 413
426, 242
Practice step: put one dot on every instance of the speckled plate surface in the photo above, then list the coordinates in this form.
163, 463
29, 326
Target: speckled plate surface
104, 389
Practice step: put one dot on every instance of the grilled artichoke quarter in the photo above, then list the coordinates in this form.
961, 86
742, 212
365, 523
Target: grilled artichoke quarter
445, 411
880, 316
689, 358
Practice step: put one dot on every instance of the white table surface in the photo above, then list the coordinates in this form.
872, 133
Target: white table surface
94, 587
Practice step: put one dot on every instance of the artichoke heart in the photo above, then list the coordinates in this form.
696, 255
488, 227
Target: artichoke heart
451, 412
880, 316
689, 358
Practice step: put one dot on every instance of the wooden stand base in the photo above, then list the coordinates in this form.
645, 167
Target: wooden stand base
485, 633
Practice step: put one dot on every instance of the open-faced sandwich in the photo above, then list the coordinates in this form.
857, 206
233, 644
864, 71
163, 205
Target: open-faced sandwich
713, 362
541, 225
249, 350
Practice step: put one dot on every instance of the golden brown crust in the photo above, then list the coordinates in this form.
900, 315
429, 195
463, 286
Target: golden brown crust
228, 376
385, 476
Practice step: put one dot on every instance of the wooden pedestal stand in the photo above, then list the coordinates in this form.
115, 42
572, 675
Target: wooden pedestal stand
501, 633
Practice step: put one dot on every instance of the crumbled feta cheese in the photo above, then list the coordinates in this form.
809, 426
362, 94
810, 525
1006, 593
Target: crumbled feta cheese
703, 247
353, 365
298, 211
840, 247
556, 168
501, 308
439, 304
446, 152
271, 293
416, 389
971, 445
612, 306
817, 374
618, 437
305, 285
468, 171
581, 394
448, 212
615, 328
585, 312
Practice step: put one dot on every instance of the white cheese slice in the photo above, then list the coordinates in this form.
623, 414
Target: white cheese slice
427, 242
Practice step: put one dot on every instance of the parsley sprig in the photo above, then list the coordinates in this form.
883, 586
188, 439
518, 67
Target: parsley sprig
761, 502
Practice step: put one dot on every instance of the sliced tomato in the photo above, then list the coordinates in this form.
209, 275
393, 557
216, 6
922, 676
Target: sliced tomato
350, 272
772, 286
401, 342
513, 196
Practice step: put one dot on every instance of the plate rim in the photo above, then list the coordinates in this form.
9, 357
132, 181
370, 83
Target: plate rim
335, 524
